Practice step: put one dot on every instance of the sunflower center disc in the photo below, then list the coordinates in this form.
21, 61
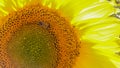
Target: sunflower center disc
32, 46
37, 37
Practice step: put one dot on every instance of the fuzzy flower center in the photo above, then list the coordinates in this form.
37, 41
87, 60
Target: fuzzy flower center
38, 37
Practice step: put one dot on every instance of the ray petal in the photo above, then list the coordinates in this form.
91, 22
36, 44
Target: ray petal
104, 30
7, 6
71, 8
102, 9
110, 50
90, 58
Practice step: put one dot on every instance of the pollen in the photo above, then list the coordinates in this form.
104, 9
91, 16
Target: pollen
38, 37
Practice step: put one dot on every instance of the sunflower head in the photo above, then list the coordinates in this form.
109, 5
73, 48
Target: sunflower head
59, 34
37, 36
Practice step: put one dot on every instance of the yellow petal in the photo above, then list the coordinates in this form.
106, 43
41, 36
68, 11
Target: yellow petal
90, 58
102, 9
7, 6
105, 30
71, 8
110, 50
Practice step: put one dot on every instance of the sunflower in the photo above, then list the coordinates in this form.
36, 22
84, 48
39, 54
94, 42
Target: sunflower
59, 34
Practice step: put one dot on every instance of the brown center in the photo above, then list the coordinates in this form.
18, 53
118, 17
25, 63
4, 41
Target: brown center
37, 37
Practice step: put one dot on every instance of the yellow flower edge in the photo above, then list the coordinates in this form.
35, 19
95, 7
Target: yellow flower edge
99, 33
